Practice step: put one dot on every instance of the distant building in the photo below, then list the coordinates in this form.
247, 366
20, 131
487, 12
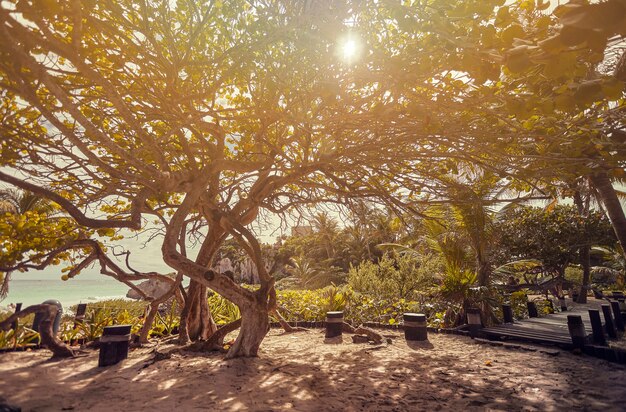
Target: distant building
301, 230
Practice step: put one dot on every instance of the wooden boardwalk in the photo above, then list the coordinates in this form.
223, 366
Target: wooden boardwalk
549, 329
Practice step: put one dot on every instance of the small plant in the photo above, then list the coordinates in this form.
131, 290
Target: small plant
22, 337
95, 321
167, 324
223, 310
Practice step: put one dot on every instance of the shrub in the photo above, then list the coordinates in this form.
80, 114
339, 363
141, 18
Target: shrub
404, 276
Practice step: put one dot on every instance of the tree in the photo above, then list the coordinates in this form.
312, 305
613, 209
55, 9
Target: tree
553, 236
195, 115
28, 230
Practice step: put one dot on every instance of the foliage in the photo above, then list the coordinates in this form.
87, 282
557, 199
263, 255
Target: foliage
303, 274
312, 305
223, 310
19, 338
574, 274
402, 276
518, 301
202, 115
552, 236
167, 323
611, 266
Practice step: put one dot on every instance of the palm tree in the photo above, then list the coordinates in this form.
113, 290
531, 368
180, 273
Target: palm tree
19, 202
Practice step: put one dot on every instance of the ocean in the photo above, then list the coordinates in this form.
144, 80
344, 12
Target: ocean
30, 289
89, 286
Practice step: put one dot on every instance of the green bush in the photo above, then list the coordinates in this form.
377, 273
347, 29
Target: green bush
403, 276
358, 308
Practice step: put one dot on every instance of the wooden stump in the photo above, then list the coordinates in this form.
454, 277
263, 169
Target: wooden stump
415, 327
114, 344
608, 320
576, 330
507, 313
599, 337
334, 324
474, 321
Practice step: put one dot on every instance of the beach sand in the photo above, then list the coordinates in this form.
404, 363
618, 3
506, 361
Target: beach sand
300, 372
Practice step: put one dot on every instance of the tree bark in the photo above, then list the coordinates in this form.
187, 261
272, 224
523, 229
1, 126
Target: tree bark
196, 316
254, 326
48, 338
154, 308
483, 269
611, 203
583, 252
216, 341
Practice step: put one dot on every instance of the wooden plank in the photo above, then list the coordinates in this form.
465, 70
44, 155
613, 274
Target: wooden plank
525, 333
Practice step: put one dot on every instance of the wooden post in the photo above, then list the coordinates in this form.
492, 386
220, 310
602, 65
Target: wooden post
334, 324
114, 344
18, 307
532, 309
415, 327
474, 321
576, 330
617, 315
596, 326
608, 321
81, 309
507, 313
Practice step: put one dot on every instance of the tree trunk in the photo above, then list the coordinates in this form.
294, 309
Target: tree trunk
154, 308
583, 251
147, 323
198, 324
483, 269
254, 326
586, 264
48, 338
611, 203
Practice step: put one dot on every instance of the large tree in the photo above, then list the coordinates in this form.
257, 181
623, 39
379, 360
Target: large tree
195, 115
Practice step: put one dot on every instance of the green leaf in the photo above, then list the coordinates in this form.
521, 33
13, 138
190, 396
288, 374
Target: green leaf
512, 32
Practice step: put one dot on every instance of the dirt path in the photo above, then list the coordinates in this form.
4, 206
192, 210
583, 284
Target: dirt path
300, 372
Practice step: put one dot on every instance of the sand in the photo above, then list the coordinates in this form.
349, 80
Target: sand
300, 372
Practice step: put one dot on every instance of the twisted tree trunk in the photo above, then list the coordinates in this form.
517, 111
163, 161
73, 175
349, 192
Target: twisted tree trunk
48, 338
196, 322
255, 324
154, 308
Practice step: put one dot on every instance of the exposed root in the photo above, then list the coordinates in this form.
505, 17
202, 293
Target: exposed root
216, 340
347, 328
371, 334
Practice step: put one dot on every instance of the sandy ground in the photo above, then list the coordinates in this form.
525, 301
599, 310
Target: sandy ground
300, 372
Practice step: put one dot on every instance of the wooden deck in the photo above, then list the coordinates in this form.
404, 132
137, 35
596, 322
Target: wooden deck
549, 329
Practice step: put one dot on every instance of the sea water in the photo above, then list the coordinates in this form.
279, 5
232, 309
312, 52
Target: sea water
34, 288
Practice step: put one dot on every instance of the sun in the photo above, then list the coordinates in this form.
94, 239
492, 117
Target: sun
349, 49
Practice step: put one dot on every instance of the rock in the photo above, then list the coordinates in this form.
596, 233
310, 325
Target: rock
154, 288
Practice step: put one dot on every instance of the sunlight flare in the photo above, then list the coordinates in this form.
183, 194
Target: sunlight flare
349, 49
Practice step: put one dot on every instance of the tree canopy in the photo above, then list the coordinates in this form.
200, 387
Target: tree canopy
200, 117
